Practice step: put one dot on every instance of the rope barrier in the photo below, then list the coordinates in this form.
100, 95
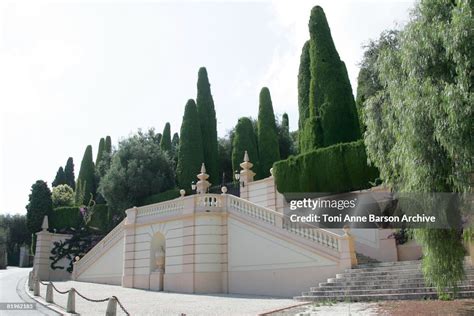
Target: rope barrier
84, 297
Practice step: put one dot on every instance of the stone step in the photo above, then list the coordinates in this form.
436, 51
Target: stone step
413, 284
381, 291
382, 273
377, 297
393, 282
394, 268
387, 264
382, 278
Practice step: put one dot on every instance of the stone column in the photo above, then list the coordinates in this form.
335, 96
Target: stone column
348, 257
43, 251
246, 176
129, 248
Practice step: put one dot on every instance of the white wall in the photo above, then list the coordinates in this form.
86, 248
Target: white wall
108, 268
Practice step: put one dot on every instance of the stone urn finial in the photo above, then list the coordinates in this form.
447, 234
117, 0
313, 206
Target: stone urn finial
246, 174
45, 225
202, 185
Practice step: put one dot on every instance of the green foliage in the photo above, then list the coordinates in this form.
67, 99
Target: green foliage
225, 160
368, 83
161, 197
63, 195
165, 142
190, 156
79, 194
87, 175
100, 151
175, 148
304, 79
244, 139
14, 234
40, 204
108, 144
268, 147
139, 169
285, 142
330, 96
99, 219
334, 169
69, 173
419, 126
208, 122
65, 217
60, 177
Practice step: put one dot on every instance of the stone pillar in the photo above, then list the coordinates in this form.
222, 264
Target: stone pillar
246, 176
129, 248
41, 264
202, 185
348, 257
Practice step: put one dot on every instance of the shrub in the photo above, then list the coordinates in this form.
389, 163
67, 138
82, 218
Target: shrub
62, 195
334, 169
63, 218
100, 218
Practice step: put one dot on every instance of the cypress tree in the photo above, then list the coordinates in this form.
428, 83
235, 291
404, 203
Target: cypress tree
284, 138
158, 138
69, 173
40, 204
331, 103
304, 79
60, 177
268, 147
190, 156
165, 143
87, 175
108, 144
100, 151
245, 140
207, 117
175, 141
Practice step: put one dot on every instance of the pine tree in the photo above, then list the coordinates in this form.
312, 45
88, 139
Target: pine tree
207, 117
87, 175
284, 138
268, 147
165, 143
69, 173
331, 103
304, 79
190, 156
244, 139
40, 204
100, 151
108, 144
60, 177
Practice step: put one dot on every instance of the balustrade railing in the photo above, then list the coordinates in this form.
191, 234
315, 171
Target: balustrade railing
162, 208
320, 236
208, 200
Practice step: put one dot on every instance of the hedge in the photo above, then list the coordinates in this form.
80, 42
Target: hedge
100, 218
65, 217
334, 169
161, 197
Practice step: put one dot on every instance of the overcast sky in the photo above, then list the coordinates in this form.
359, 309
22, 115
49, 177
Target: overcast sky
72, 72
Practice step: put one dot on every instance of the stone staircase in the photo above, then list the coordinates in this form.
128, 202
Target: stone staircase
382, 281
364, 260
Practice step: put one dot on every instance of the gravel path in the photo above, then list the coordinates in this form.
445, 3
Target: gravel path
141, 302
337, 309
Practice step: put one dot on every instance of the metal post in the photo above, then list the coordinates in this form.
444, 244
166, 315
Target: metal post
111, 307
71, 301
49, 293
36, 287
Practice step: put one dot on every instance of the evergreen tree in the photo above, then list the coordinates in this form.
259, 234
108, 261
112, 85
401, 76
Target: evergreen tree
268, 147
175, 148
158, 137
244, 139
87, 175
100, 151
207, 117
190, 156
60, 177
108, 144
165, 143
284, 139
69, 173
40, 204
331, 104
304, 79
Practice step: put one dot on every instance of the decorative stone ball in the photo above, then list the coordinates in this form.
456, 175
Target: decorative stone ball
271, 171
77, 258
224, 190
182, 192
